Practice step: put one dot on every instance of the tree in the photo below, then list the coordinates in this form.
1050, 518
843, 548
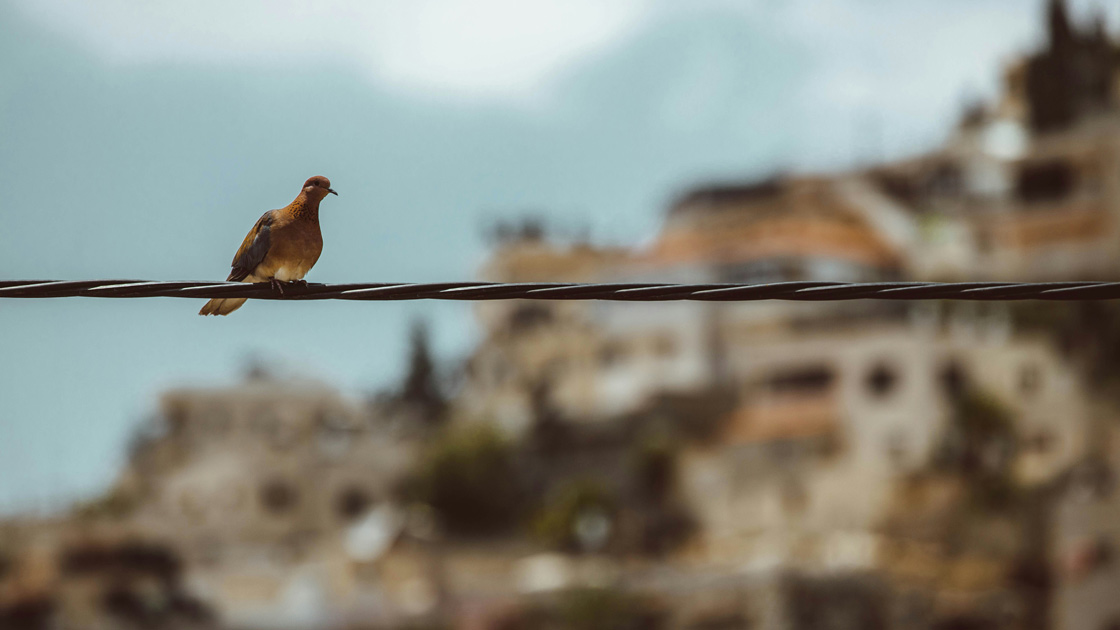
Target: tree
421, 387
468, 476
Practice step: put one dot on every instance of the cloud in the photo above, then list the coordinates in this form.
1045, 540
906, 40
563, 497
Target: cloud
482, 49
899, 70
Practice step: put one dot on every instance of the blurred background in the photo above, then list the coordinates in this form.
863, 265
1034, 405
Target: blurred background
561, 465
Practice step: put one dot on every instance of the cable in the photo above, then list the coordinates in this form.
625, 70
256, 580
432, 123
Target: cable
632, 292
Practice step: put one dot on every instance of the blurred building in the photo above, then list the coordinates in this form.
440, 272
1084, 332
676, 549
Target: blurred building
779, 464
271, 499
841, 415
1028, 188
1076, 76
817, 422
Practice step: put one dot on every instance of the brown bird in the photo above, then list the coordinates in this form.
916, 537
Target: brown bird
281, 247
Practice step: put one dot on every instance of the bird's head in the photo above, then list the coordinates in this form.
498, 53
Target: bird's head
318, 187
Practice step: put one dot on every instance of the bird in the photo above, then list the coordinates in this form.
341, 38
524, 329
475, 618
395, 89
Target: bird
281, 248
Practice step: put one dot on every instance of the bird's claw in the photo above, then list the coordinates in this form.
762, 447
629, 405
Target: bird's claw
278, 285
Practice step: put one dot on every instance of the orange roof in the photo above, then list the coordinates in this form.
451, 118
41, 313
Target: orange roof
782, 418
543, 262
796, 219
796, 237
1073, 222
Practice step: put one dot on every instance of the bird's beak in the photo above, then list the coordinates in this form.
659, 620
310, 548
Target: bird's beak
331, 191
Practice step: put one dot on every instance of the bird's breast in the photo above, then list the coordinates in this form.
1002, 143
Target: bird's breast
294, 251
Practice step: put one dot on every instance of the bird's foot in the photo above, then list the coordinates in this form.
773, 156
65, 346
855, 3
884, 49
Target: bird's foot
278, 285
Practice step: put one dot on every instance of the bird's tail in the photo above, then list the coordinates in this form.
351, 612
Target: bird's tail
222, 306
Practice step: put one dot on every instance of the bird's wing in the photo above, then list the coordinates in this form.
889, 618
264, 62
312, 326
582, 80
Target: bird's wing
253, 249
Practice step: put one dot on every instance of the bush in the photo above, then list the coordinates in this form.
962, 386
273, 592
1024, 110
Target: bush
115, 504
593, 609
589, 609
469, 479
557, 522
654, 465
980, 445
1089, 331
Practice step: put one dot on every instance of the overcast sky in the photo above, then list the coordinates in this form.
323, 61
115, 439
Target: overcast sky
142, 139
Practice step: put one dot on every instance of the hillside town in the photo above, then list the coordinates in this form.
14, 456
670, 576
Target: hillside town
681, 465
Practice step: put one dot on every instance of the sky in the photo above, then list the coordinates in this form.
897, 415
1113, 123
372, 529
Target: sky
143, 139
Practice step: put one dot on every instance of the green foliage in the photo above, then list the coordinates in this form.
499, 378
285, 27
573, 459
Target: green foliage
589, 609
994, 492
555, 524
1088, 330
117, 503
982, 417
421, 387
423, 625
468, 477
603, 609
654, 466
980, 445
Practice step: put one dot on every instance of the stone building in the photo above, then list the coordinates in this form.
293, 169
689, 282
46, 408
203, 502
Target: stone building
869, 464
1077, 75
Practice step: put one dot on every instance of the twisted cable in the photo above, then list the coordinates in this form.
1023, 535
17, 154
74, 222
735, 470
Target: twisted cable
631, 292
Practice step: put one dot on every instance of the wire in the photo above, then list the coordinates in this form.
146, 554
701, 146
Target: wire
633, 292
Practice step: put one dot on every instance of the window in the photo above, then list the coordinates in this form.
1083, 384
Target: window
528, 316
1045, 181
816, 379
352, 503
881, 380
278, 497
952, 378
